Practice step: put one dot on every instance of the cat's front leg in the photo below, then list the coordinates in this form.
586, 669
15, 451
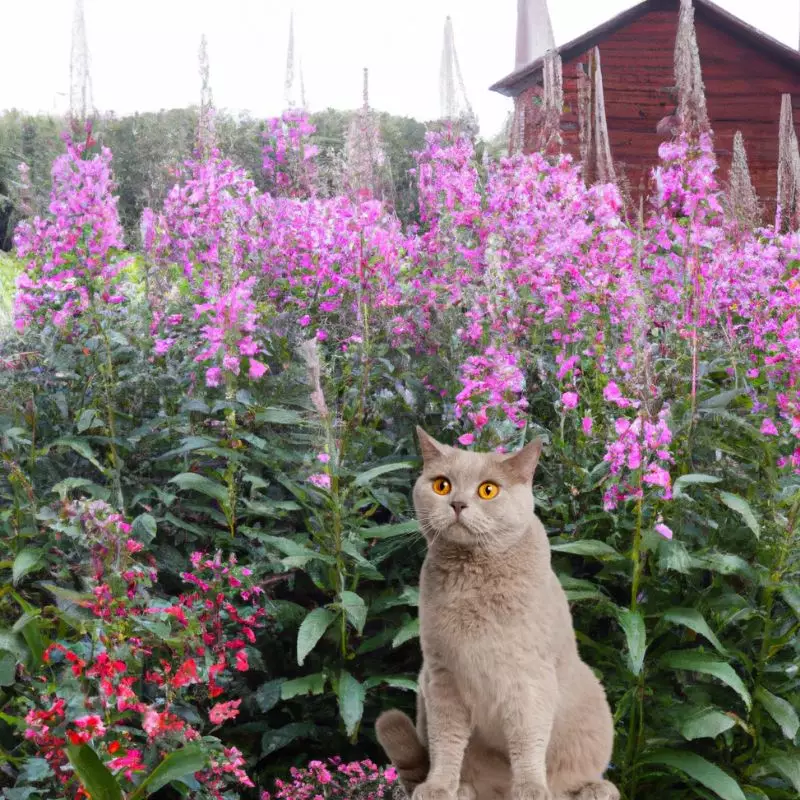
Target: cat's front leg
528, 723
447, 724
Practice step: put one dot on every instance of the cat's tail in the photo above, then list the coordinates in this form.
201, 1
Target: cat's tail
398, 737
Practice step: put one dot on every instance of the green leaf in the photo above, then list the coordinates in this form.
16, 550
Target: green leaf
694, 620
199, 483
632, 623
279, 416
364, 478
290, 548
394, 681
707, 723
355, 610
78, 446
692, 479
268, 694
280, 737
28, 624
742, 508
390, 531
789, 767
722, 399
696, 767
707, 664
791, 594
36, 769
63, 488
409, 631
8, 668
87, 419
93, 773
311, 630
189, 444
781, 711
176, 765
351, 701
309, 684
27, 561
144, 526
587, 547
12, 643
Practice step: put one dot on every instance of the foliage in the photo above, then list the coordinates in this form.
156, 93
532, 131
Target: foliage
208, 541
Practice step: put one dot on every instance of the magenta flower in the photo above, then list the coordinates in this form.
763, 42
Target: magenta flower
570, 400
663, 530
768, 427
321, 480
72, 256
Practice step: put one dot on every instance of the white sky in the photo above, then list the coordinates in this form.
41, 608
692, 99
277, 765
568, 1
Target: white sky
144, 52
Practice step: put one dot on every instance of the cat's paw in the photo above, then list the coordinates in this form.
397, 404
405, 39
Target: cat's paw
602, 790
430, 791
530, 791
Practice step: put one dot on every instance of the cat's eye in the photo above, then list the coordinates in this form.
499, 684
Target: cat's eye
441, 485
488, 490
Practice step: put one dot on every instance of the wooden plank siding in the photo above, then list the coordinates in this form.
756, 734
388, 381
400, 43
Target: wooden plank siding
744, 84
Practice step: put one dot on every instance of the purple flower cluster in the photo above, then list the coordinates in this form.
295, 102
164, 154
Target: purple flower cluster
359, 780
70, 254
289, 155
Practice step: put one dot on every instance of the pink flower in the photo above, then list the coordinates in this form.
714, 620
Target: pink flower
586, 425
466, 439
768, 427
131, 762
224, 711
213, 376
569, 399
304, 321
662, 529
323, 457
257, 369
321, 480
241, 661
612, 394
163, 346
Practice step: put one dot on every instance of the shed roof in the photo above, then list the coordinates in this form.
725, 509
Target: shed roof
526, 76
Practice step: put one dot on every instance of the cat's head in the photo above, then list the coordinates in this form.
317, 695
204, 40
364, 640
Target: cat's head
481, 500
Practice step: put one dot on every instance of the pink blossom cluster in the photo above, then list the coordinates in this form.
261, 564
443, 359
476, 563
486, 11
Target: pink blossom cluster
289, 156
641, 448
205, 229
493, 385
358, 780
71, 254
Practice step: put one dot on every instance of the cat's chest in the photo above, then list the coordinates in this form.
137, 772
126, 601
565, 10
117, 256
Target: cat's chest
465, 605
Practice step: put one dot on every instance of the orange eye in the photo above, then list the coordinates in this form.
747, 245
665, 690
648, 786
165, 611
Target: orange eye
488, 490
441, 486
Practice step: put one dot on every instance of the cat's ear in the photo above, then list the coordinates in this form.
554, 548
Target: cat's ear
428, 446
523, 463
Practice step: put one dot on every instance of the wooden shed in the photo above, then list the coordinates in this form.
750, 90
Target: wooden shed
745, 72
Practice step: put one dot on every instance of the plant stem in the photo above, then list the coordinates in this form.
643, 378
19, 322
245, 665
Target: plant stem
636, 553
112, 428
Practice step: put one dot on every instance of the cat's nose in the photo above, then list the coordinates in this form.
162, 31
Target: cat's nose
458, 506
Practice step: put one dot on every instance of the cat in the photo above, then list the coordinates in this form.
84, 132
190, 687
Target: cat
506, 708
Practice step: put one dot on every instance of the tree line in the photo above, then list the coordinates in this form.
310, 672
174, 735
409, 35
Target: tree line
146, 146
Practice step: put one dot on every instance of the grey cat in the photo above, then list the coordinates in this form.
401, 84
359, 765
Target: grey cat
506, 709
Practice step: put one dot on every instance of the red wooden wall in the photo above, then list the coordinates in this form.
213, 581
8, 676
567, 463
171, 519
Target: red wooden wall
743, 92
